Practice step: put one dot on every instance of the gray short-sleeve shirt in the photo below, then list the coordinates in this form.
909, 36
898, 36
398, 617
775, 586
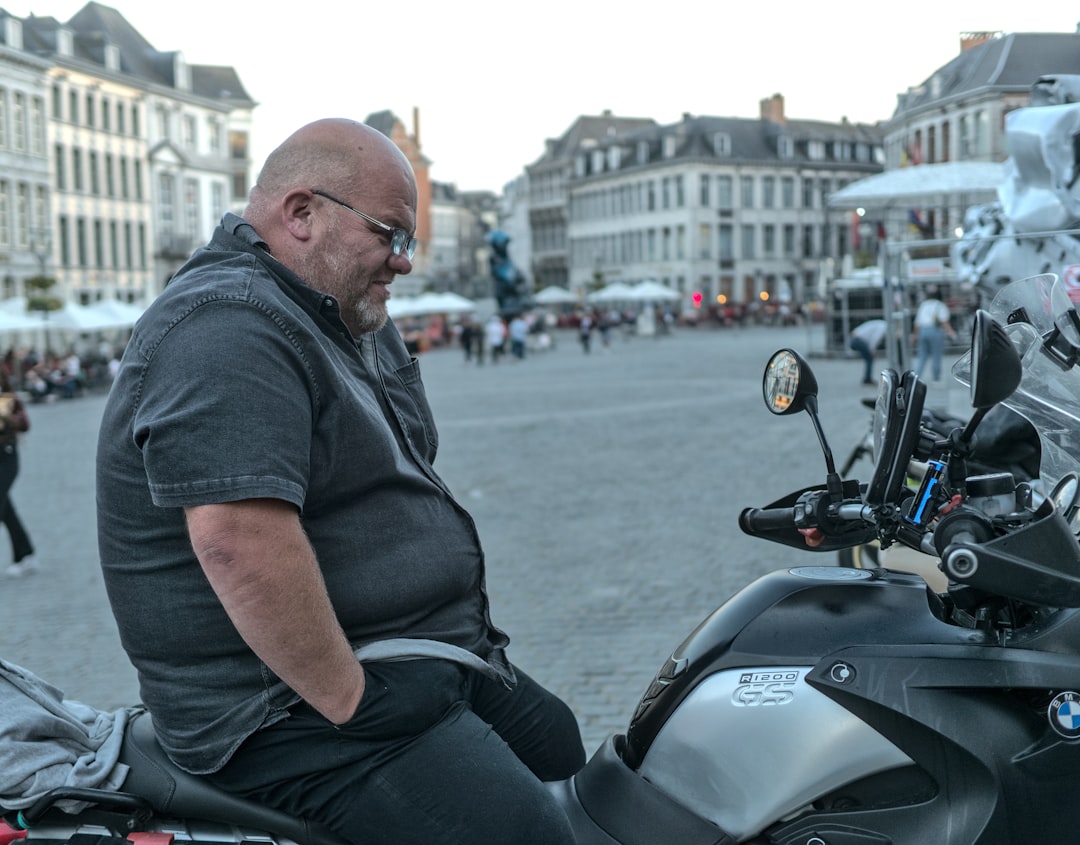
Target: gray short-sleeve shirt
241, 382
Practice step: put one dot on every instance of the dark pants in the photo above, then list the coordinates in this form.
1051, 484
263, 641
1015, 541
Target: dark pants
9, 470
867, 354
435, 755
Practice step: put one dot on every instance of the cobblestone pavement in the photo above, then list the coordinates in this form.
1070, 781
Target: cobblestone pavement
606, 489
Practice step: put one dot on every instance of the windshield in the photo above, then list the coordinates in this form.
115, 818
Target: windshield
1049, 392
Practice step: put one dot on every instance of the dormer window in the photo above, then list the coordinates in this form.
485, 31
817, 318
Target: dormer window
597, 161
614, 157
785, 147
642, 152
815, 150
669, 146
722, 144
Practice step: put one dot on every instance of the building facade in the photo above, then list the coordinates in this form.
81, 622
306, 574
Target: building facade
958, 113
719, 209
142, 154
25, 187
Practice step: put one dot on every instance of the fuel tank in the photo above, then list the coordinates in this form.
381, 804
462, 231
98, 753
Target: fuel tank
730, 726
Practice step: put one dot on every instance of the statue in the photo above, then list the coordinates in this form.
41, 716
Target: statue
511, 289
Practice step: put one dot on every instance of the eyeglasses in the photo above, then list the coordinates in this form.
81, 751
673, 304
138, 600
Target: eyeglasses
400, 240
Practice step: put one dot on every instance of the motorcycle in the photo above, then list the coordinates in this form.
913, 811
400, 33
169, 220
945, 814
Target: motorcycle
1006, 442
819, 705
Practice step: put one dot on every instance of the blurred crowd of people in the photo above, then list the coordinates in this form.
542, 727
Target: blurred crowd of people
46, 378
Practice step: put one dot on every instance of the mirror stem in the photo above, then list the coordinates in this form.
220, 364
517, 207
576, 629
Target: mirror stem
812, 410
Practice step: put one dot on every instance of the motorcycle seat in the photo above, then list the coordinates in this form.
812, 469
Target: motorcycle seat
172, 792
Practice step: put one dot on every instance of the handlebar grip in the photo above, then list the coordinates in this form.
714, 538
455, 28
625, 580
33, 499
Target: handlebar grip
755, 520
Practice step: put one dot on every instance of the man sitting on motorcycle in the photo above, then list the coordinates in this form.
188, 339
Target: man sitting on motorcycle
301, 594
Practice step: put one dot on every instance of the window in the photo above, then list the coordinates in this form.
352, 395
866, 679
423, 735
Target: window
5, 213
748, 242
73, 106
18, 121
785, 147
121, 125
704, 183
705, 241
80, 242
722, 144
724, 192
22, 216
680, 242
787, 192
65, 240
808, 242
58, 155
725, 241
91, 111
99, 244
789, 241
665, 191
191, 132
76, 170
680, 193
746, 191
124, 185
37, 126
138, 179
192, 226
106, 114
128, 244
3, 118
768, 239
114, 244
57, 101
807, 193
214, 136
768, 192
95, 173
166, 202
41, 210
110, 180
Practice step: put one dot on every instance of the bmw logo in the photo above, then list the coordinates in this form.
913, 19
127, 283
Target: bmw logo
1064, 714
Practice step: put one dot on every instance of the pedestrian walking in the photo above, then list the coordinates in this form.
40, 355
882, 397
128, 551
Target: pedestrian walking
13, 423
495, 332
932, 327
585, 328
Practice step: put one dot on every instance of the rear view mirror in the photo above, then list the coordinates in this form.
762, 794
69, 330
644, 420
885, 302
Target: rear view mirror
996, 368
788, 383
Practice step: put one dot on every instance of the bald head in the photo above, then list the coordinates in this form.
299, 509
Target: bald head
340, 156
324, 152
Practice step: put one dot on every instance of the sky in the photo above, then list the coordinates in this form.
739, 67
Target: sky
491, 81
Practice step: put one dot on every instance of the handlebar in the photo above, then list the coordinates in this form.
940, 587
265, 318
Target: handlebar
754, 520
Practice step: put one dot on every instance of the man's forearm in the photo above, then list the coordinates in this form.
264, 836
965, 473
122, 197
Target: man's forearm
258, 560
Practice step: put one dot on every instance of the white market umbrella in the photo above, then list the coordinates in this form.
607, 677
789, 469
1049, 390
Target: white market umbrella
429, 303
554, 295
615, 292
653, 291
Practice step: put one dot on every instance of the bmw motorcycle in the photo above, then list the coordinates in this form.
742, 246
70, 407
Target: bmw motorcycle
819, 705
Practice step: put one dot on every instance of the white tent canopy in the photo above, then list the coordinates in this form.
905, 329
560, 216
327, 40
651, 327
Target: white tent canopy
554, 295
652, 291
615, 292
429, 303
924, 183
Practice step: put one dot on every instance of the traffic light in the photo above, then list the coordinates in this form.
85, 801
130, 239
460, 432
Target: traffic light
696, 298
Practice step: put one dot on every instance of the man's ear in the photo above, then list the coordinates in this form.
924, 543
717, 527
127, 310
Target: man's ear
298, 213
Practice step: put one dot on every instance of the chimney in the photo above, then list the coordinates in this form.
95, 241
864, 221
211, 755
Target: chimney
970, 40
416, 126
772, 109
